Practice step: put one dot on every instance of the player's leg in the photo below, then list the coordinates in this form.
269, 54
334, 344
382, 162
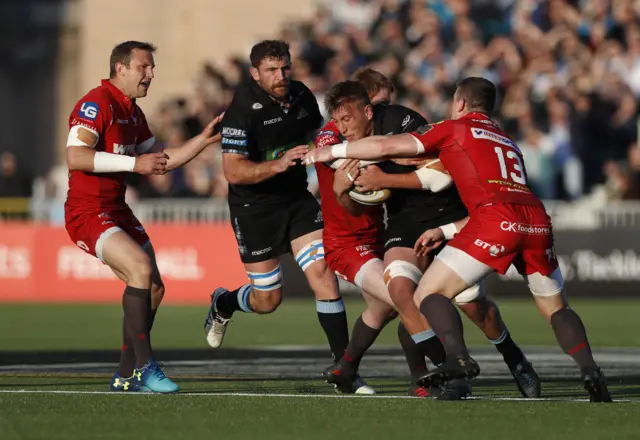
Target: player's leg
305, 226
452, 272
569, 329
356, 263
308, 251
132, 264
401, 275
127, 356
483, 312
261, 240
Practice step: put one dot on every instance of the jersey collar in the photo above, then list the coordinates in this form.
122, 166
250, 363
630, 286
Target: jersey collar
265, 99
117, 93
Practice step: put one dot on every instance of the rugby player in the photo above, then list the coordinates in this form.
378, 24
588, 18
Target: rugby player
409, 212
353, 247
507, 225
272, 211
108, 138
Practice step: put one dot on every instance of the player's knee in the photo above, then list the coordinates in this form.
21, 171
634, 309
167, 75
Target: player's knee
546, 285
401, 279
266, 282
265, 302
310, 254
139, 270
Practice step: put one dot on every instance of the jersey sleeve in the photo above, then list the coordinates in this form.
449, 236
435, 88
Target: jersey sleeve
235, 130
146, 140
88, 121
412, 121
433, 136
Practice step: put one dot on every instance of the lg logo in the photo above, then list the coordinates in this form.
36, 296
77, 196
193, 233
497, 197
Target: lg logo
89, 110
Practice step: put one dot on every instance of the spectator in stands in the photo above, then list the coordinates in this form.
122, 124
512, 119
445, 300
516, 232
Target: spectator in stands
568, 72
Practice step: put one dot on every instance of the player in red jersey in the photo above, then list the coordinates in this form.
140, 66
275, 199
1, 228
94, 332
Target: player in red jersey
507, 225
108, 138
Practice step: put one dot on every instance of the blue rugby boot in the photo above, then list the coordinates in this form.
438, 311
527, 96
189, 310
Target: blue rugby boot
151, 378
125, 384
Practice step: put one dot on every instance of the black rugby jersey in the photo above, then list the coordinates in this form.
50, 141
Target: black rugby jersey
410, 204
257, 126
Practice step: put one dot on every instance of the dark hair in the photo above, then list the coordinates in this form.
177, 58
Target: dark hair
479, 93
373, 81
269, 49
122, 54
343, 92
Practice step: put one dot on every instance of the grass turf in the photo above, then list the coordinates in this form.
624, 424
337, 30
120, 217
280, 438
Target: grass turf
102, 416
59, 327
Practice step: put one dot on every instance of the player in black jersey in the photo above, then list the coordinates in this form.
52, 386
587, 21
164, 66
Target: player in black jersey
272, 212
409, 212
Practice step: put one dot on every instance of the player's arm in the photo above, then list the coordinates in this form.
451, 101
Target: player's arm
433, 238
179, 156
343, 181
428, 138
86, 123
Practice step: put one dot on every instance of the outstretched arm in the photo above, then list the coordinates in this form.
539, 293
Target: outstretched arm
372, 148
183, 154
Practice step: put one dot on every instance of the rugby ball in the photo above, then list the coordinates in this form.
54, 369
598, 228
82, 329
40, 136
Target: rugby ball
370, 198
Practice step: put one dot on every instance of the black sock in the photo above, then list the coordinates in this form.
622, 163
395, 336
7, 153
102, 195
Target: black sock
412, 352
233, 301
431, 347
136, 304
445, 321
510, 351
572, 337
362, 337
128, 356
333, 320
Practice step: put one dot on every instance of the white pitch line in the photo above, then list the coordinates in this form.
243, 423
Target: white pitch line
307, 396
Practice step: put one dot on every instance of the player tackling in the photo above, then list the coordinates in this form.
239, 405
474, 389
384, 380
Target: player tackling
507, 225
108, 138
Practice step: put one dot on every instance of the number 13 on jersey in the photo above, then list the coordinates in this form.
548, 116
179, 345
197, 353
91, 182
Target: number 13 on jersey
511, 166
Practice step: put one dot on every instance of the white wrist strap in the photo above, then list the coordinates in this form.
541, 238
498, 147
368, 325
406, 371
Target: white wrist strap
449, 230
339, 151
112, 163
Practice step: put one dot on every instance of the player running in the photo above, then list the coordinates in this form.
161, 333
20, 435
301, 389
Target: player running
272, 211
507, 225
108, 138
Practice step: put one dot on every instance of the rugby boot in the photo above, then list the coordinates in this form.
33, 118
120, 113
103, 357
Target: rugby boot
126, 384
151, 378
346, 379
416, 390
595, 384
460, 368
527, 379
361, 387
215, 326
454, 389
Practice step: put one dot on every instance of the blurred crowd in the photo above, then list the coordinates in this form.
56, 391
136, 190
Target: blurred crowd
568, 74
